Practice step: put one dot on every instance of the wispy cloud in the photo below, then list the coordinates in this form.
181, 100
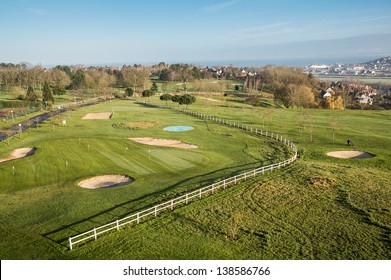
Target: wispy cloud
357, 19
276, 31
219, 7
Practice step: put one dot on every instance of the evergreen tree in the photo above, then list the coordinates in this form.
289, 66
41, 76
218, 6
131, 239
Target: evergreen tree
164, 75
59, 90
129, 91
165, 97
154, 87
187, 99
31, 95
47, 94
79, 80
147, 93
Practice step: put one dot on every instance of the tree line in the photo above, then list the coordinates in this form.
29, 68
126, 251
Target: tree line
290, 86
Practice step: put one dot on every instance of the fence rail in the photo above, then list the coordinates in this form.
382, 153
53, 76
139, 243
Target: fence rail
194, 195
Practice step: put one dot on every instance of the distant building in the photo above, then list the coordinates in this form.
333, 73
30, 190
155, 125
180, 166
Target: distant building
365, 99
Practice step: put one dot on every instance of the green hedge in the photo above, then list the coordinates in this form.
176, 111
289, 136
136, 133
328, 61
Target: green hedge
16, 104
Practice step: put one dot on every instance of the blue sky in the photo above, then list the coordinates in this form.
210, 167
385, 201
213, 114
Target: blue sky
149, 31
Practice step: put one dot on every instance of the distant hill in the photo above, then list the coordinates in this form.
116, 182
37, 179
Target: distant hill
380, 62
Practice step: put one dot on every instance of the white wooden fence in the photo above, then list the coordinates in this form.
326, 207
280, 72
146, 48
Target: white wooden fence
194, 195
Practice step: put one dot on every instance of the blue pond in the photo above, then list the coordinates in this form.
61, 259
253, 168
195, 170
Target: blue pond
178, 128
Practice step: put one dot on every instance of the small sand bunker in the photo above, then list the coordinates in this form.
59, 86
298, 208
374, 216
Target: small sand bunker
164, 142
19, 153
98, 116
105, 181
350, 154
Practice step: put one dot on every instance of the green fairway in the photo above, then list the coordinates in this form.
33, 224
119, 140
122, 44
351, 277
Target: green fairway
46, 183
318, 208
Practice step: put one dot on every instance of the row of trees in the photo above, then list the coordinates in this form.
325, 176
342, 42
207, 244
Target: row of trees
61, 78
185, 99
289, 85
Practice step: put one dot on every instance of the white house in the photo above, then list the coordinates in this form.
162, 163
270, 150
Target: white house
364, 99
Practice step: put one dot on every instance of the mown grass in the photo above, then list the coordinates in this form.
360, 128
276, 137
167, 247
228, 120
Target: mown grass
318, 208
42, 199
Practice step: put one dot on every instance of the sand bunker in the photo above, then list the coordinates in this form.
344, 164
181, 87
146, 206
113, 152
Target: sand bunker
105, 181
350, 154
164, 142
19, 153
98, 116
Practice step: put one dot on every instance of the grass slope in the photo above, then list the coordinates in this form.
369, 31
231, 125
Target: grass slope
318, 208
43, 206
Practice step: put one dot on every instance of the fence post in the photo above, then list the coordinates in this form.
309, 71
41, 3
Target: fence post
224, 184
172, 204
138, 218
70, 243
117, 225
187, 199
155, 211
200, 193
213, 188
95, 233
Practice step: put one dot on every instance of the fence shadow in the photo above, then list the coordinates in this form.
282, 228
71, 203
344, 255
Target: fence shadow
60, 235
204, 179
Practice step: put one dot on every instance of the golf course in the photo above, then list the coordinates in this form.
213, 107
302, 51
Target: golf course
319, 207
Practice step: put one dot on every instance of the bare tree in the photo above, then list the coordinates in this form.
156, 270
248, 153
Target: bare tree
335, 126
233, 226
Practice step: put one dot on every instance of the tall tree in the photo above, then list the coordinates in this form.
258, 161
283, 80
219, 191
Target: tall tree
78, 80
47, 94
164, 75
154, 87
31, 95
137, 78
59, 79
